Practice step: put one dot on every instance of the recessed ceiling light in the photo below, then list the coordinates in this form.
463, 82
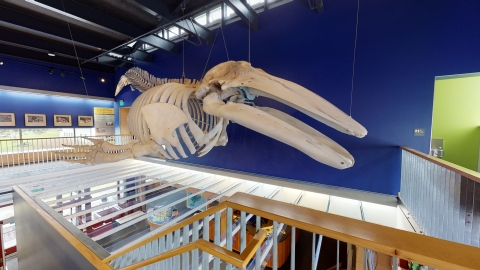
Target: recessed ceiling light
102, 80
1, 63
50, 71
51, 54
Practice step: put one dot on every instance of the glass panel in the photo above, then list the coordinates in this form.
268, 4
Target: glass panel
202, 19
172, 32
255, 2
229, 12
215, 14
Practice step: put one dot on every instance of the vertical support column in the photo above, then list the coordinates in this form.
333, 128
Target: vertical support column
258, 225
292, 253
275, 245
161, 249
394, 263
349, 256
168, 246
229, 230
206, 231
195, 252
314, 264
176, 243
338, 255
185, 256
243, 231
216, 237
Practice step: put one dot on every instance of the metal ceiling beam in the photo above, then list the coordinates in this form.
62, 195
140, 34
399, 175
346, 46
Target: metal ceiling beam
196, 29
43, 44
113, 61
245, 12
43, 57
157, 42
91, 15
138, 55
21, 19
154, 7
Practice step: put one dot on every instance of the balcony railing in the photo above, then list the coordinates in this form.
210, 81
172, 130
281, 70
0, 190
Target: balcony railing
24, 157
444, 198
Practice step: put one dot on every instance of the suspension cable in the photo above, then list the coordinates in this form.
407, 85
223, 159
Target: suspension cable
75, 49
354, 58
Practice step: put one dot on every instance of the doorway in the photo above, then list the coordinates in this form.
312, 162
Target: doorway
124, 130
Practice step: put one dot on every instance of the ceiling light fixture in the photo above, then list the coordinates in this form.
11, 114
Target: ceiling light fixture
50, 71
1, 63
62, 73
51, 54
102, 80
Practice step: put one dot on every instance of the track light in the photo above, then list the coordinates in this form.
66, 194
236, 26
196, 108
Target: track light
50, 71
62, 73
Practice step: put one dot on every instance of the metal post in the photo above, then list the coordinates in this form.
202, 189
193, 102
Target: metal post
195, 251
185, 256
216, 261
275, 245
243, 231
229, 233
258, 225
292, 253
338, 255
206, 230
314, 266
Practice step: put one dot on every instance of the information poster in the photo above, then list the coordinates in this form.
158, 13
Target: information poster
104, 121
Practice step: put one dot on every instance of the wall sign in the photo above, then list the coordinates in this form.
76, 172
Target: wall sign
104, 119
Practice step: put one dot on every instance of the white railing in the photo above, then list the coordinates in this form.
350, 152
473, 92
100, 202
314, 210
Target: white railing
24, 157
444, 198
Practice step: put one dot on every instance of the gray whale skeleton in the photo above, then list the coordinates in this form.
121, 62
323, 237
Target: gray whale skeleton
197, 113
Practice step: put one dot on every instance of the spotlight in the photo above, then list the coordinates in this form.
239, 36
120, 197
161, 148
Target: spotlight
50, 71
1, 63
62, 73
102, 80
51, 54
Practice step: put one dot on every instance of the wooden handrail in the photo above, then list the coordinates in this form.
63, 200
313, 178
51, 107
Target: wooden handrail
423, 249
237, 260
171, 229
470, 174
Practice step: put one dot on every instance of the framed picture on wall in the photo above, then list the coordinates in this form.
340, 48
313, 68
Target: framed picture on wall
85, 121
62, 120
35, 120
7, 119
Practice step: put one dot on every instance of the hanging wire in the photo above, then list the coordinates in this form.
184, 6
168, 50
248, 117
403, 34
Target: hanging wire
354, 58
183, 46
205, 68
75, 49
224, 42
248, 37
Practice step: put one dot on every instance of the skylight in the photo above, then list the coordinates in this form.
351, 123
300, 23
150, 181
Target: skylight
202, 19
215, 14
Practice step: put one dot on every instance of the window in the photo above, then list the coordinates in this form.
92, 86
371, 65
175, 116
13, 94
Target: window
229, 12
215, 14
172, 32
202, 19
255, 2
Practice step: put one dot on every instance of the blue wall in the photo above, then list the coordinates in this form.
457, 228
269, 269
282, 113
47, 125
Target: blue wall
402, 46
29, 74
21, 103
24, 75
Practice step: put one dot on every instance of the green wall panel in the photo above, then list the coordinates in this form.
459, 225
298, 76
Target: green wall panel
456, 118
